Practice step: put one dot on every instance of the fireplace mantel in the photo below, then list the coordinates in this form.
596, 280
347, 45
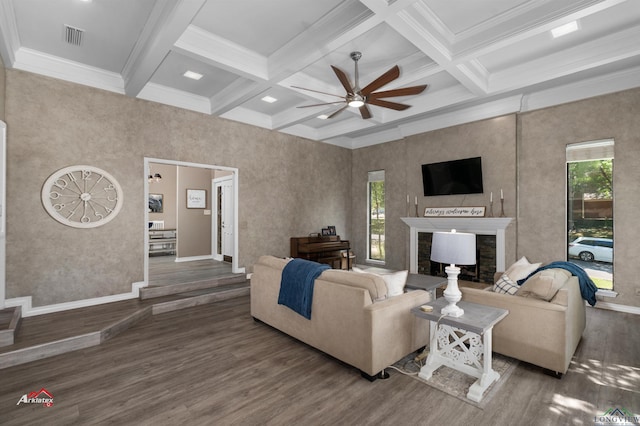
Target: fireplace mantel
476, 225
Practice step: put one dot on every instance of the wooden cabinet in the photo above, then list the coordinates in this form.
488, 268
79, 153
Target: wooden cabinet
162, 241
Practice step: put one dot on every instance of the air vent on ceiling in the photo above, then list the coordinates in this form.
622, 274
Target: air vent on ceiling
73, 35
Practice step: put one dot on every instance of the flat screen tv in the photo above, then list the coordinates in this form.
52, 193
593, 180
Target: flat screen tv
453, 177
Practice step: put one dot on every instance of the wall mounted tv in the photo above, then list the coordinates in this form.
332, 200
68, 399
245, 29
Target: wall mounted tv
453, 177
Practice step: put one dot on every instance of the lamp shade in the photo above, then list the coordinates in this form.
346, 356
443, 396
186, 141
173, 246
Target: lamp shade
453, 248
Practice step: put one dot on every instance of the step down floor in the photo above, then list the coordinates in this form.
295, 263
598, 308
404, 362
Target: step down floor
53, 334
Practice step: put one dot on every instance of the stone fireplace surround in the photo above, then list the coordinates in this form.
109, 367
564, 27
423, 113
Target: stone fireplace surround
475, 225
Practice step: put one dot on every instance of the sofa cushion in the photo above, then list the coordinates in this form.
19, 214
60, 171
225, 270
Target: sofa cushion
544, 284
371, 282
521, 269
505, 285
395, 281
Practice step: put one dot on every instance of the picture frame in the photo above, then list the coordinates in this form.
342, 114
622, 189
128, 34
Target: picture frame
196, 198
325, 232
332, 230
156, 203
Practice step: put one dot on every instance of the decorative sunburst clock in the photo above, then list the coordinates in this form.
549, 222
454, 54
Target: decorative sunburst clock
82, 196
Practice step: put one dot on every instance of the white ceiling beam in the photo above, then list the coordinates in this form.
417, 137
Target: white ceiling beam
221, 53
605, 50
167, 21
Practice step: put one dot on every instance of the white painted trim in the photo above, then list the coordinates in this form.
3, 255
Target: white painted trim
63, 69
193, 258
178, 98
617, 307
3, 211
28, 310
606, 293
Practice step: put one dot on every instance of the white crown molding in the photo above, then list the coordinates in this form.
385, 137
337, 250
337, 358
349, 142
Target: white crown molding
177, 98
28, 310
53, 66
597, 86
248, 116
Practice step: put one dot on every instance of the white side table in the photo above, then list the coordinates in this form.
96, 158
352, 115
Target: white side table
462, 343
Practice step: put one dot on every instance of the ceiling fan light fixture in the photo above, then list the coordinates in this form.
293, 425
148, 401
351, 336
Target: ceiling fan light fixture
356, 103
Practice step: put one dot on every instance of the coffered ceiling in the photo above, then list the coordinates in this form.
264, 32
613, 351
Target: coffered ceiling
479, 58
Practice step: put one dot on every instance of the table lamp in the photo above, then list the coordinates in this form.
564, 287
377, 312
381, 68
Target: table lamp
453, 247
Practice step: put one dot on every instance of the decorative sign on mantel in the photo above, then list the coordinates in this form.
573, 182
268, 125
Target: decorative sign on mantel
454, 211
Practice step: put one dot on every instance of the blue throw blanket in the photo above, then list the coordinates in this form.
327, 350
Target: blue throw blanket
587, 286
296, 285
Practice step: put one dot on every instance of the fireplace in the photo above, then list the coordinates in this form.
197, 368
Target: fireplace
490, 243
483, 271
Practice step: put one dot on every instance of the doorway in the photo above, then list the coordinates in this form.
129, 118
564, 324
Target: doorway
223, 220
201, 208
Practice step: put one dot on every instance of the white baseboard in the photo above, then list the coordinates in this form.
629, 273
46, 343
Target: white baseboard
618, 307
28, 310
193, 258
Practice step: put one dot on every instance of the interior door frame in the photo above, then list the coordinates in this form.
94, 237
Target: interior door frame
235, 268
214, 215
3, 211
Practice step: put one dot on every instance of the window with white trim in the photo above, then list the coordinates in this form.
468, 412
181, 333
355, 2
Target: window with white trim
376, 216
590, 209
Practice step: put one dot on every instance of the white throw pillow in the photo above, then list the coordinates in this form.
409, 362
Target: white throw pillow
521, 269
395, 282
505, 285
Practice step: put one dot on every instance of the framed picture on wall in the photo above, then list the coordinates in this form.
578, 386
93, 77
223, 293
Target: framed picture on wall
155, 203
196, 199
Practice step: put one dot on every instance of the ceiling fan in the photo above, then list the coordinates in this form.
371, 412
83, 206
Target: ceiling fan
360, 98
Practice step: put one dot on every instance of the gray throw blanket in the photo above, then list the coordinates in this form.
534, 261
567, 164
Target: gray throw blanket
296, 285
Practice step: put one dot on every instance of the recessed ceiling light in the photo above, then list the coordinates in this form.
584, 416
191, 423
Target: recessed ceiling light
269, 99
192, 75
565, 29
323, 117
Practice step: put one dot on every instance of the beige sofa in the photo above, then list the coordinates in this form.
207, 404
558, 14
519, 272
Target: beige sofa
351, 318
536, 331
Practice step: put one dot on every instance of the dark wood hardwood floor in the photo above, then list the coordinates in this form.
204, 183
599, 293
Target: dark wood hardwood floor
213, 364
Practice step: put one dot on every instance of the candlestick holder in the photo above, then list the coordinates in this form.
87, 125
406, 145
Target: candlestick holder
490, 209
502, 207
408, 209
417, 211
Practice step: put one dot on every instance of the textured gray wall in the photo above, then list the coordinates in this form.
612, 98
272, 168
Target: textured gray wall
493, 140
288, 186
543, 136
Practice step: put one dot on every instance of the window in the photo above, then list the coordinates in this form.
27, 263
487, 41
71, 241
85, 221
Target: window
590, 209
375, 222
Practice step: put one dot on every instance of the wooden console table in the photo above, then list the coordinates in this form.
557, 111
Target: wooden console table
327, 250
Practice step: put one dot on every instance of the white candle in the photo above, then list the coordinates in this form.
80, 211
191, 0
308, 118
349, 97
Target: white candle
501, 194
491, 197
416, 200
407, 198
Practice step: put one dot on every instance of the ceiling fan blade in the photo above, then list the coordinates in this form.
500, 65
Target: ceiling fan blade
343, 79
315, 105
317, 91
403, 91
388, 104
364, 112
385, 78
337, 112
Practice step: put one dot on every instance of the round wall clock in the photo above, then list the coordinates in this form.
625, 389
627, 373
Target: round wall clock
82, 196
